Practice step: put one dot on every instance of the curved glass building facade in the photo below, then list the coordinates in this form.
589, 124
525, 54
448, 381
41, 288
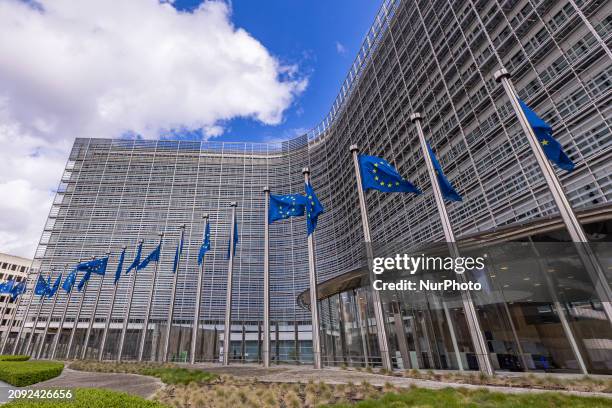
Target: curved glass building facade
432, 57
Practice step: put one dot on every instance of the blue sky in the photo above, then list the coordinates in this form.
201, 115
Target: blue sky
306, 33
137, 68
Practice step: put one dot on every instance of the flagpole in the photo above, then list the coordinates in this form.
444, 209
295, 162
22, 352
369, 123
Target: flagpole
383, 341
4, 307
25, 318
128, 311
173, 295
41, 303
60, 328
312, 275
33, 331
196, 318
228, 297
10, 325
78, 315
93, 316
572, 224
145, 326
480, 345
109, 317
266, 282
44, 337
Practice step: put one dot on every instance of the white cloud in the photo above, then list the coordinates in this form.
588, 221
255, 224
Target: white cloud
98, 68
341, 49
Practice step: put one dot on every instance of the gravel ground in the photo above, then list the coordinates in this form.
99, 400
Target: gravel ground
141, 385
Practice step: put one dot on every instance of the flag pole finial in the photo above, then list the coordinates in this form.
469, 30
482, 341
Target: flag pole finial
305, 170
205, 216
182, 226
501, 73
266, 189
415, 116
124, 247
107, 253
140, 241
233, 204
354, 148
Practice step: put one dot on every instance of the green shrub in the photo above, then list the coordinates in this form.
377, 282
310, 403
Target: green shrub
90, 398
180, 375
14, 358
22, 373
168, 373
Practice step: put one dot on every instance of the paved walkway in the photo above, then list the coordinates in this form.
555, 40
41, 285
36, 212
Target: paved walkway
304, 374
141, 385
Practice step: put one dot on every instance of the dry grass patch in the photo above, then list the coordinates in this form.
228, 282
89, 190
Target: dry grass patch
548, 382
239, 392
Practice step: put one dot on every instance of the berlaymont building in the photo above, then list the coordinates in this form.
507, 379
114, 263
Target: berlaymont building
438, 58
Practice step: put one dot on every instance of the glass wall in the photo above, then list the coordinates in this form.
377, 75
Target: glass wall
539, 310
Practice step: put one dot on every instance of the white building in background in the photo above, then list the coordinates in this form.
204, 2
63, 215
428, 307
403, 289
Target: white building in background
11, 267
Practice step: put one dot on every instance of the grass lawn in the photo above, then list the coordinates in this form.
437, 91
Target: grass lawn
90, 398
22, 373
450, 398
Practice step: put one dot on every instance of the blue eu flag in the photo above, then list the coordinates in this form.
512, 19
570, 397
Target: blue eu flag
97, 266
7, 287
53, 289
70, 280
84, 280
379, 174
152, 257
543, 131
205, 247
285, 206
119, 266
235, 241
446, 187
177, 254
136, 260
18, 289
42, 286
313, 208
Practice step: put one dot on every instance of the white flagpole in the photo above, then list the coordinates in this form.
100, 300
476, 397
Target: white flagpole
25, 317
228, 297
93, 314
266, 283
10, 325
314, 304
572, 224
44, 336
4, 307
145, 325
196, 317
75, 326
379, 316
128, 311
480, 345
109, 317
60, 327
173, 295
40, 306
